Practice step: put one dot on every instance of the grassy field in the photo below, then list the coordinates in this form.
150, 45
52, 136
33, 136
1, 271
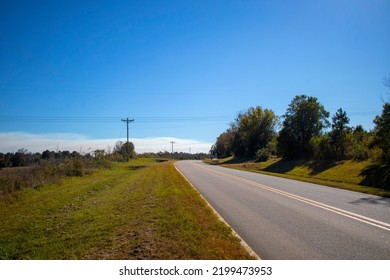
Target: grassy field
140, 210
344, 174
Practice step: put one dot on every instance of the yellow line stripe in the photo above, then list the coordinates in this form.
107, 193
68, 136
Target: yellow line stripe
336, 210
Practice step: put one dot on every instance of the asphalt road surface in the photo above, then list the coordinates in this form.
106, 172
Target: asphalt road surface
286, 219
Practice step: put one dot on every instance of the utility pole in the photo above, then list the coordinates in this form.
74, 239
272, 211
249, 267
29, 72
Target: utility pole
127, 121
172, 142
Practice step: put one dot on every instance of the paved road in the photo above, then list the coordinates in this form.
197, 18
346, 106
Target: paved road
287, 219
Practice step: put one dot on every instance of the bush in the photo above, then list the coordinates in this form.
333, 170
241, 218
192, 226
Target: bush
321, 148
262, 155
74, 167
102, 163
360, 153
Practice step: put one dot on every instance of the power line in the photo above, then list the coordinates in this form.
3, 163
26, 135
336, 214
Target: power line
78, 119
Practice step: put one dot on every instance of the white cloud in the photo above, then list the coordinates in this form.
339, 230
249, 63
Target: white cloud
13, 141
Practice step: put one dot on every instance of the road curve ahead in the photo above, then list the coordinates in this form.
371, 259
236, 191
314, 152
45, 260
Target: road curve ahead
286, 219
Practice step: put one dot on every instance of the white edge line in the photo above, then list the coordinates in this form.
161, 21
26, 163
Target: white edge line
245, 245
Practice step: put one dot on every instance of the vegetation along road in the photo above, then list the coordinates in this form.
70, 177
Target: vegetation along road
139, 210
286, 219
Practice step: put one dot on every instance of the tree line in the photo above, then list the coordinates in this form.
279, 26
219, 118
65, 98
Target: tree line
306, 131
23, 157
119, 153
302, 134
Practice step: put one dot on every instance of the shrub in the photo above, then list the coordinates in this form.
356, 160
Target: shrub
321, 148
262, 155
74, 167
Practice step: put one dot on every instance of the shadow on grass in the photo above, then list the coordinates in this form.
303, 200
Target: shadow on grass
283, 166
320, 166
315, 166
238, 160
376, 175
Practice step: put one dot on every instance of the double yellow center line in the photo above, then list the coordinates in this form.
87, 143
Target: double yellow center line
336, 210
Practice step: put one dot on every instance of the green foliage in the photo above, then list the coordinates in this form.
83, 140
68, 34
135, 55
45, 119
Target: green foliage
122, 151
74, 167
382, 134
255, 129
302, 136
252, 131
305, 118
101, 160
321, 147
358, 144
223, 147
378, 174
337, 137
262, 155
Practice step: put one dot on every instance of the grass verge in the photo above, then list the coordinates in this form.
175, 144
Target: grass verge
344, 174
140, 210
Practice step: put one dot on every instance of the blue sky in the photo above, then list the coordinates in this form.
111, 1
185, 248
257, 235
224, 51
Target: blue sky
182, 69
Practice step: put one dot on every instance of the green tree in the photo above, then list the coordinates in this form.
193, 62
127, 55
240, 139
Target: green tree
20, 158
321, 147
339, 133
253, 130
223, 146
304, 119
378, 174
382, 133
121, 150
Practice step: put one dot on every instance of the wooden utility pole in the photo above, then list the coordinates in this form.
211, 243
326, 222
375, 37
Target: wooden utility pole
127, 121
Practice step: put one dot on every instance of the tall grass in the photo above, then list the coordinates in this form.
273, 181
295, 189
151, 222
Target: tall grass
47, 172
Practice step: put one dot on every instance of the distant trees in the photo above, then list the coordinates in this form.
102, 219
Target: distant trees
305, 118
97, 157
164, 156
21, 158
